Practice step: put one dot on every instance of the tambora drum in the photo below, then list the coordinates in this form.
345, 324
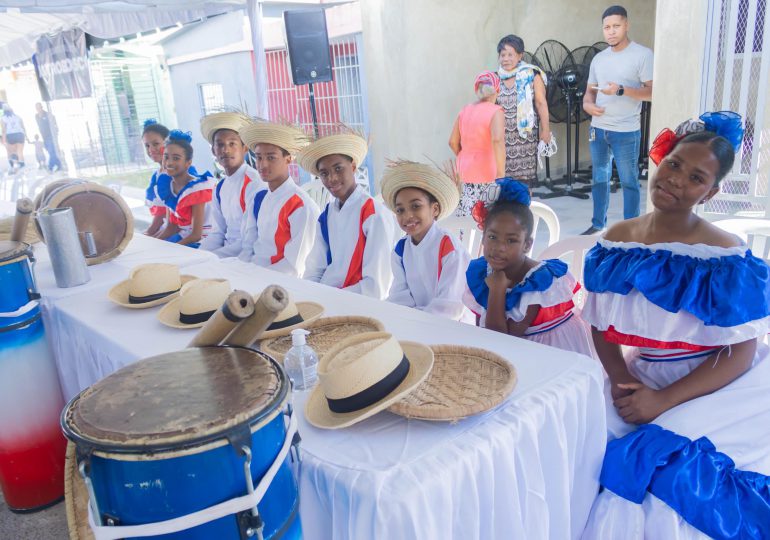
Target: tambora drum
193, 444
31, 444
103, 219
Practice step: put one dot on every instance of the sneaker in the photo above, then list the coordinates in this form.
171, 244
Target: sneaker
591, 231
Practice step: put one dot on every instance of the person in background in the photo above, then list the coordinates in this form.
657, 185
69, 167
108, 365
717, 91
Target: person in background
428, 263
39, 152
512, 293
154, 139
619, 79
355, 233
46, 123
239, 186
478, 140
14, 136
186, 195
281, 220
522, 97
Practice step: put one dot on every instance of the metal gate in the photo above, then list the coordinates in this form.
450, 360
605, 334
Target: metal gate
343, 100
735, 77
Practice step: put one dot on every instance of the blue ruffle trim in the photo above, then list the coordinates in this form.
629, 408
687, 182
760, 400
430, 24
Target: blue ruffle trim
539, 280
699, 483
163, 186
722, 291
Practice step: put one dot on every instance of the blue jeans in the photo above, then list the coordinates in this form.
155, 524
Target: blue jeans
53, 158
624, 148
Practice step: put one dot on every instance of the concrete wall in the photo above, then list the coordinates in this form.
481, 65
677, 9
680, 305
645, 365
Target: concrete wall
190, 64
422, 57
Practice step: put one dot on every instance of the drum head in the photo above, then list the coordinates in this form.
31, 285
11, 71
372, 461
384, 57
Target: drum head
10, 251
176, 400
98, 210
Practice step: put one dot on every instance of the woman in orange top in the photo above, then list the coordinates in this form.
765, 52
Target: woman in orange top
478, 140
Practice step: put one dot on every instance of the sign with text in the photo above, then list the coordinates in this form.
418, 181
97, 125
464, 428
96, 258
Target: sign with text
61, 64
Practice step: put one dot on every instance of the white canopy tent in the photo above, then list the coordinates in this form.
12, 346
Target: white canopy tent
22, 22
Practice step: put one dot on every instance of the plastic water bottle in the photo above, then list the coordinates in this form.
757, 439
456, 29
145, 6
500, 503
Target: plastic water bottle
301, 362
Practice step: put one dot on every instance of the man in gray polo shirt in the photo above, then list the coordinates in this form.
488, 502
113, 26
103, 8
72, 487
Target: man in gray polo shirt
620, 78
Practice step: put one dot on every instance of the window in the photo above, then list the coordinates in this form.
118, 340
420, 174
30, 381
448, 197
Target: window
212, 98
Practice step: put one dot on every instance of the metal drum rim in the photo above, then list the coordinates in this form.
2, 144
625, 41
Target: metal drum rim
26, 252
194, 445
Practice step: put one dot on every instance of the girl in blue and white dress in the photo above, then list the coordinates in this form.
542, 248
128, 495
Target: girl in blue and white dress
689, 407
185, 193
512, 293
154, 140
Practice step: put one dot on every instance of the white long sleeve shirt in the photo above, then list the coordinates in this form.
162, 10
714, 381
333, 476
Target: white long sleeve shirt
430, 276
352, 246
281, 234
228, 211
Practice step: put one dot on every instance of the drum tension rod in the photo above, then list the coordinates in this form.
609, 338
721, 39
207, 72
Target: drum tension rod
252, 520
294, 453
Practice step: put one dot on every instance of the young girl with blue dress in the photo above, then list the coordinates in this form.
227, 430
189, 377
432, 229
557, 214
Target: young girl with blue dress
512, 293
688, 406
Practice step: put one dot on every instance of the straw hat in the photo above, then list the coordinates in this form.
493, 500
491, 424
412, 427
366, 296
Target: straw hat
294, 316
444, 185
211, 123
349, 144
198, 301
286, 136
149, 285
363, 375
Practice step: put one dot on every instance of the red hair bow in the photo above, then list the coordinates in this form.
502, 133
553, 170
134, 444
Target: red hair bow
663, 144
479, 213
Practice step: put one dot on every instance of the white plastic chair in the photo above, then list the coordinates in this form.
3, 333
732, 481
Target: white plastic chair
754, 232
545, 213
574, 245
466, 230
316, 190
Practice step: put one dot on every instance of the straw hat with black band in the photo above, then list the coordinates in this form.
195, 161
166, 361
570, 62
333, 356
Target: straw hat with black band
149, 285
443, 185
363, 375
286, 136
294, 316
348, 143
197, 302
211, 123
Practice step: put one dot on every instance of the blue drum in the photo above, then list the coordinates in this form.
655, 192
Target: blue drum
31, 443
183, 444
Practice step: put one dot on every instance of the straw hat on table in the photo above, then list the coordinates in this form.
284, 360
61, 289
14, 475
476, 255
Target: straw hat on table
197, 302
149, 285
443, 185
363, 375
347, 142
295, 316
211, 123
283, 135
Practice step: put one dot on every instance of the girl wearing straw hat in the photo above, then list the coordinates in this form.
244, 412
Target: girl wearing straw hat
185, 194
239, 186
281, 220
428, 263
354, 235
512, 293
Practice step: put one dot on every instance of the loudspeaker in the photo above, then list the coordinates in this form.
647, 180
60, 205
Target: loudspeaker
308, 46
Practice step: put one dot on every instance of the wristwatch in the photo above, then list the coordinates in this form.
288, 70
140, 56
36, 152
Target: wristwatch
621, 90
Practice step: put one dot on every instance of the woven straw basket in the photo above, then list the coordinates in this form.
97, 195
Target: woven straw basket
325, 333
464, 381
76, 498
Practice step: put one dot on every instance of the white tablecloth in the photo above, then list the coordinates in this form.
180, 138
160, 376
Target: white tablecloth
528, 469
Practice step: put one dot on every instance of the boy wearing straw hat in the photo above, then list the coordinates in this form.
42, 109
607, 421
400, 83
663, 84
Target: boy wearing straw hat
281, 220
355, 234
239, 186
428, 263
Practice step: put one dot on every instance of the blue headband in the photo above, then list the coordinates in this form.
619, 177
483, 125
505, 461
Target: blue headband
179, 135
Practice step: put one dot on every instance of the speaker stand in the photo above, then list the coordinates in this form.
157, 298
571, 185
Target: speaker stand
312, 109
